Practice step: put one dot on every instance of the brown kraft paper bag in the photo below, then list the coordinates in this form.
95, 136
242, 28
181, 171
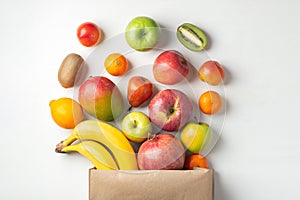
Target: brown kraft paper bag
194, 184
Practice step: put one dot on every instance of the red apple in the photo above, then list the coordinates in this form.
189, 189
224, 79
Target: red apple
101, 98
162, 151
170, 67
139, 90
211, 72
170, 109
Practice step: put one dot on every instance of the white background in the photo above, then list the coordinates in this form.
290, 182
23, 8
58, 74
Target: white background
258, 154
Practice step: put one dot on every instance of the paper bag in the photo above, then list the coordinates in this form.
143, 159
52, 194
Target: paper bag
151, 184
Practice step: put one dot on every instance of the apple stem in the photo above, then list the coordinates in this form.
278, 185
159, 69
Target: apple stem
196, 119
200, 123
129, 109
134, 124
151, 136
172, 110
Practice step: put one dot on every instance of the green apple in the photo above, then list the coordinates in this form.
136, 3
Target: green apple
195, 136
142, 33
136, 126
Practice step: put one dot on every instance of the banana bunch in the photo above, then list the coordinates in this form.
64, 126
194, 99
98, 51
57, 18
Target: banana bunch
101, 143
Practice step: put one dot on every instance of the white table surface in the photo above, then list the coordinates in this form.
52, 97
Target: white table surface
258, 154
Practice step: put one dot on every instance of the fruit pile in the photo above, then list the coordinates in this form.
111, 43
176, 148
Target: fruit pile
169, 110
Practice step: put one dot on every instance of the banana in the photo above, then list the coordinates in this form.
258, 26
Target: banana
109, 137
95, 152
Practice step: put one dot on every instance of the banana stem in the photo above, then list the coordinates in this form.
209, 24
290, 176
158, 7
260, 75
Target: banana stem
59, 147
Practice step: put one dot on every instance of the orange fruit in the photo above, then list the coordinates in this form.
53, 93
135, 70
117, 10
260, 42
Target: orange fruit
195, 160
116, 64
210, 102
66, 112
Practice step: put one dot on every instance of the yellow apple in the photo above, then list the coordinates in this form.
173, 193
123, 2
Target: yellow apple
195, 136
136, 126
